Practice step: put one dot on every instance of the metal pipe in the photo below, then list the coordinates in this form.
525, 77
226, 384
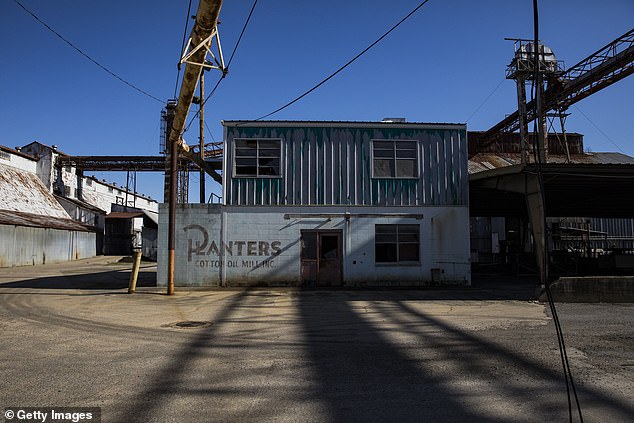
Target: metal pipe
206, 21
171, 234
202, 136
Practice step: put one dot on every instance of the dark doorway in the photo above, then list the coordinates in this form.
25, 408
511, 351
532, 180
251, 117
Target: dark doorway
321, 258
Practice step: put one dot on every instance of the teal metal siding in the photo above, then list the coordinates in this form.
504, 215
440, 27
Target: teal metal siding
332, 165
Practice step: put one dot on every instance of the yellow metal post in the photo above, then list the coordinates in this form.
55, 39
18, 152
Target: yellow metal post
135, 271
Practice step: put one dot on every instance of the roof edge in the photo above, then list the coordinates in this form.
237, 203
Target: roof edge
339, 124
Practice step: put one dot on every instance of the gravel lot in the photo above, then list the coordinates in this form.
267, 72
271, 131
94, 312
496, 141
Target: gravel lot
72, 336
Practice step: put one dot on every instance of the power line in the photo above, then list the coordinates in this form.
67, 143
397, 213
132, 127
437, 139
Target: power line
131, 85
244, 27
346, 65
599, 129
485, 100
178, 75
226, 70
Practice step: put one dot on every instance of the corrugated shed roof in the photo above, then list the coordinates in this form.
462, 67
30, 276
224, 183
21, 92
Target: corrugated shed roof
80, 203
487, 161
124, 215
24, 192
16, 218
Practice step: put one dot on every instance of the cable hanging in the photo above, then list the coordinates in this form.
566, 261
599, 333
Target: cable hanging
344, 66
131, 85
178, 74
568, 378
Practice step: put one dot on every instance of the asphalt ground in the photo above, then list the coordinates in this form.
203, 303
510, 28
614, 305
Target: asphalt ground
72, 336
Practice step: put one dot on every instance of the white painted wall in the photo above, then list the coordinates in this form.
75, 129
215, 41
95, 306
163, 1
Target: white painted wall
251, 232
7, 158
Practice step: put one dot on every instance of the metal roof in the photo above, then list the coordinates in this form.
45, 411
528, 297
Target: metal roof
24, 192
79, 203
570, 189
16, 218
17, 153
153, 217
124, 215
340, 124
483, 162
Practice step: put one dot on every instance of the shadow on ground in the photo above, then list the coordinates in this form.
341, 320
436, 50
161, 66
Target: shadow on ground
377, 357
113, 279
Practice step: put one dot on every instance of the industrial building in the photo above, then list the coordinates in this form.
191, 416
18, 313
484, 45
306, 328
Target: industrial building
51, 213
34, 227
349, 204
590, 229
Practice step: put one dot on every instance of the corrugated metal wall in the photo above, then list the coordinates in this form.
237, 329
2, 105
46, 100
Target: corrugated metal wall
324, 165
27, 246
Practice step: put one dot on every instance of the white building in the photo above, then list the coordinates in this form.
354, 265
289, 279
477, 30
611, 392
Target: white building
34, 227
35, 185
330, 204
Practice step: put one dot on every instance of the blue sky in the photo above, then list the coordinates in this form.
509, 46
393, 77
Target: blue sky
439, 66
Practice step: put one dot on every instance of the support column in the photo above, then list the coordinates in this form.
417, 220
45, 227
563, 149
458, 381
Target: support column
536, 216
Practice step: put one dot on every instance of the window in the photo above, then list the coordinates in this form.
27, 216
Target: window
257, 157
397, 243
5, 156
89, 182
109, 189
394, 159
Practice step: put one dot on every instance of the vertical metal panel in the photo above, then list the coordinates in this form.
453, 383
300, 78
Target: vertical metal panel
27, 246
333, 165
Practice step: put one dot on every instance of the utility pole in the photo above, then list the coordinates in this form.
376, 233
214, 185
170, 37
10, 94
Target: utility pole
201, 111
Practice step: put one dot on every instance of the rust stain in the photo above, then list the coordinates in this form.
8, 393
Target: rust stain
486, 161
23, 191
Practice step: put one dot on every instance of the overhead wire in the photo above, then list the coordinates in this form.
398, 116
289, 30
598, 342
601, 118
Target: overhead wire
178, 74
599, 129
80, 51
226, 70
477, 109
332, 75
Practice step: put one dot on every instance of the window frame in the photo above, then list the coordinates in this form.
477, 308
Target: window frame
257, 159
395, 158
398, 243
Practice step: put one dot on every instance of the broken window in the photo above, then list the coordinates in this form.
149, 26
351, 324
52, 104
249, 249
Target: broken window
394, 159
257, 157
397, 243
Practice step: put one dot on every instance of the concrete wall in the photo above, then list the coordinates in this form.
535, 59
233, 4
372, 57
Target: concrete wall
228, 246
27, 246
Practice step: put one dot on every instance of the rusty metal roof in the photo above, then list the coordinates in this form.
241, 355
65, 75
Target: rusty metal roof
124, 215
486, 161
80, 203
16, 218
17, 153
24, 192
